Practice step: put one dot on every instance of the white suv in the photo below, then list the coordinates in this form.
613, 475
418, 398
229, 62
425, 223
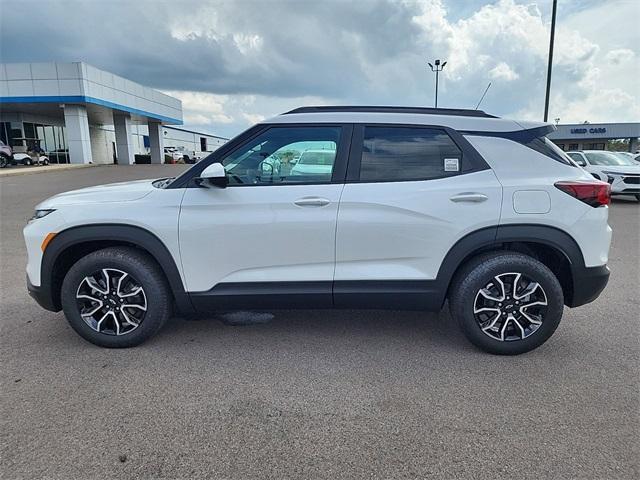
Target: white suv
622, 172
419, 206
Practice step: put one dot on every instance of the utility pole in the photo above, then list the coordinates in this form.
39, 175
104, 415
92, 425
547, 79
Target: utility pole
551, 39
437, 69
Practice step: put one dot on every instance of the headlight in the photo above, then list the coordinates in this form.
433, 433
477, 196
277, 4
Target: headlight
611, 176
41, 213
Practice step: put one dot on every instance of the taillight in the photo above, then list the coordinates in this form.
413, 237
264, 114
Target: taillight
591, 192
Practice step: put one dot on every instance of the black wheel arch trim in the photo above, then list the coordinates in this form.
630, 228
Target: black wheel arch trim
132, 234
490, 237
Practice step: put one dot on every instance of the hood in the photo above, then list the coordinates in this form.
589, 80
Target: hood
632, 169
113, 192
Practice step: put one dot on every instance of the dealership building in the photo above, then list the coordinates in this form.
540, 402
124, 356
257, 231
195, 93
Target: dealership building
595, 136
82, 114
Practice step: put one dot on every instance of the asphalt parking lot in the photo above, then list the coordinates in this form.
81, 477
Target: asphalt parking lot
314, 394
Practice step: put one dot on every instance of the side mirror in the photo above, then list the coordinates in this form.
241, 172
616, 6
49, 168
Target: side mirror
213, 174
581, 162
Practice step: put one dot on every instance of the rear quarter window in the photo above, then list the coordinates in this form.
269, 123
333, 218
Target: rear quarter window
549, 149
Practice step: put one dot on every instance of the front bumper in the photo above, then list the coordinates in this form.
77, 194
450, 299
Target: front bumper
588, 284
624, 184
43, 296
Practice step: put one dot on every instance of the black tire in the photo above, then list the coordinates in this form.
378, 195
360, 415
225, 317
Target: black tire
481, 271
4, 161
138, 266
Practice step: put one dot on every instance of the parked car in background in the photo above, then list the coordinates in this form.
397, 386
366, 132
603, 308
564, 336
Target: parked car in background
188, 156
6, 154
174, 154
197, 156
411, 207
625, 154
620, 171
181, 155
314, 162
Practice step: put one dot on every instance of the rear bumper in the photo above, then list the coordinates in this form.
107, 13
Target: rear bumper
588, 283
43, 296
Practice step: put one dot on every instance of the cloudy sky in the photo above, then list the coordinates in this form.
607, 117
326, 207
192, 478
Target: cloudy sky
233, 63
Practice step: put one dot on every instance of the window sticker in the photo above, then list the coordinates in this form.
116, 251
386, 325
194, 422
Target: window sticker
451, 165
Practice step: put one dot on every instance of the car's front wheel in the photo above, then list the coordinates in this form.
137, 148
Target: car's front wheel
506, 303
116, 297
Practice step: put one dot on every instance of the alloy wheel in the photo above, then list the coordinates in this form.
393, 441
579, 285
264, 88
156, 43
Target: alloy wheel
510, 307
111, 301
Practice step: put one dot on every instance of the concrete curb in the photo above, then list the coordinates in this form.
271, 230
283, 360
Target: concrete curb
11, 172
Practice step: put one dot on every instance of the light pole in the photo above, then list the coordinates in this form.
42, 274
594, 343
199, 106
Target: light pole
438, 68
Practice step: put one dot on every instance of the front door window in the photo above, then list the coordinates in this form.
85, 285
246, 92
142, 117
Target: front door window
285, 155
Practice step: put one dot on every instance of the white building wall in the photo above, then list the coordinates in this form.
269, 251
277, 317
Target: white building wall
78, 136
94, 92
101, 144
80, 79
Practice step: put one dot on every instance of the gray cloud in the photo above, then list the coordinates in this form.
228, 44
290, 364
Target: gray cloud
306, 47
269, 55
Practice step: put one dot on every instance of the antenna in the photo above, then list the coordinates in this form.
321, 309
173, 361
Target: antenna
482, 97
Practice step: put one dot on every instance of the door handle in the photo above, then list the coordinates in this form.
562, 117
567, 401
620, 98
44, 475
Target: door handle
312, 202
469, 197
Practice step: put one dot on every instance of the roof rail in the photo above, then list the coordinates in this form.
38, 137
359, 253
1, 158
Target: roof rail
460, 112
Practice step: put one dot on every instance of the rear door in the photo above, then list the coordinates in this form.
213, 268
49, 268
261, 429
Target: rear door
411, 194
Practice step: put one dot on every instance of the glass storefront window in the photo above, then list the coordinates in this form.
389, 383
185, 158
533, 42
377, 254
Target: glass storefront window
3, 133
49, 141
40, 134
15, 131
29, 130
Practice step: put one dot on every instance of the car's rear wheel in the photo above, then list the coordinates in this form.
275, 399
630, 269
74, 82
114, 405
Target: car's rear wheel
116, 297
4, 161
506, 303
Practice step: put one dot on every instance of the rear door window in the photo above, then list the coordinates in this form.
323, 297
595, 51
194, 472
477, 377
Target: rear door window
408, 153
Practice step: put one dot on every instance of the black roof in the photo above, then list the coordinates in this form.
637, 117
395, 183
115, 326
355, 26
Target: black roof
460, 112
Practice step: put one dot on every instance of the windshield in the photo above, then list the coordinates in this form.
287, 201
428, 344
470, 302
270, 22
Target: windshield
609, 159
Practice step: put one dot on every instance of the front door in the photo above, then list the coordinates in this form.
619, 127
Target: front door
270, 235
